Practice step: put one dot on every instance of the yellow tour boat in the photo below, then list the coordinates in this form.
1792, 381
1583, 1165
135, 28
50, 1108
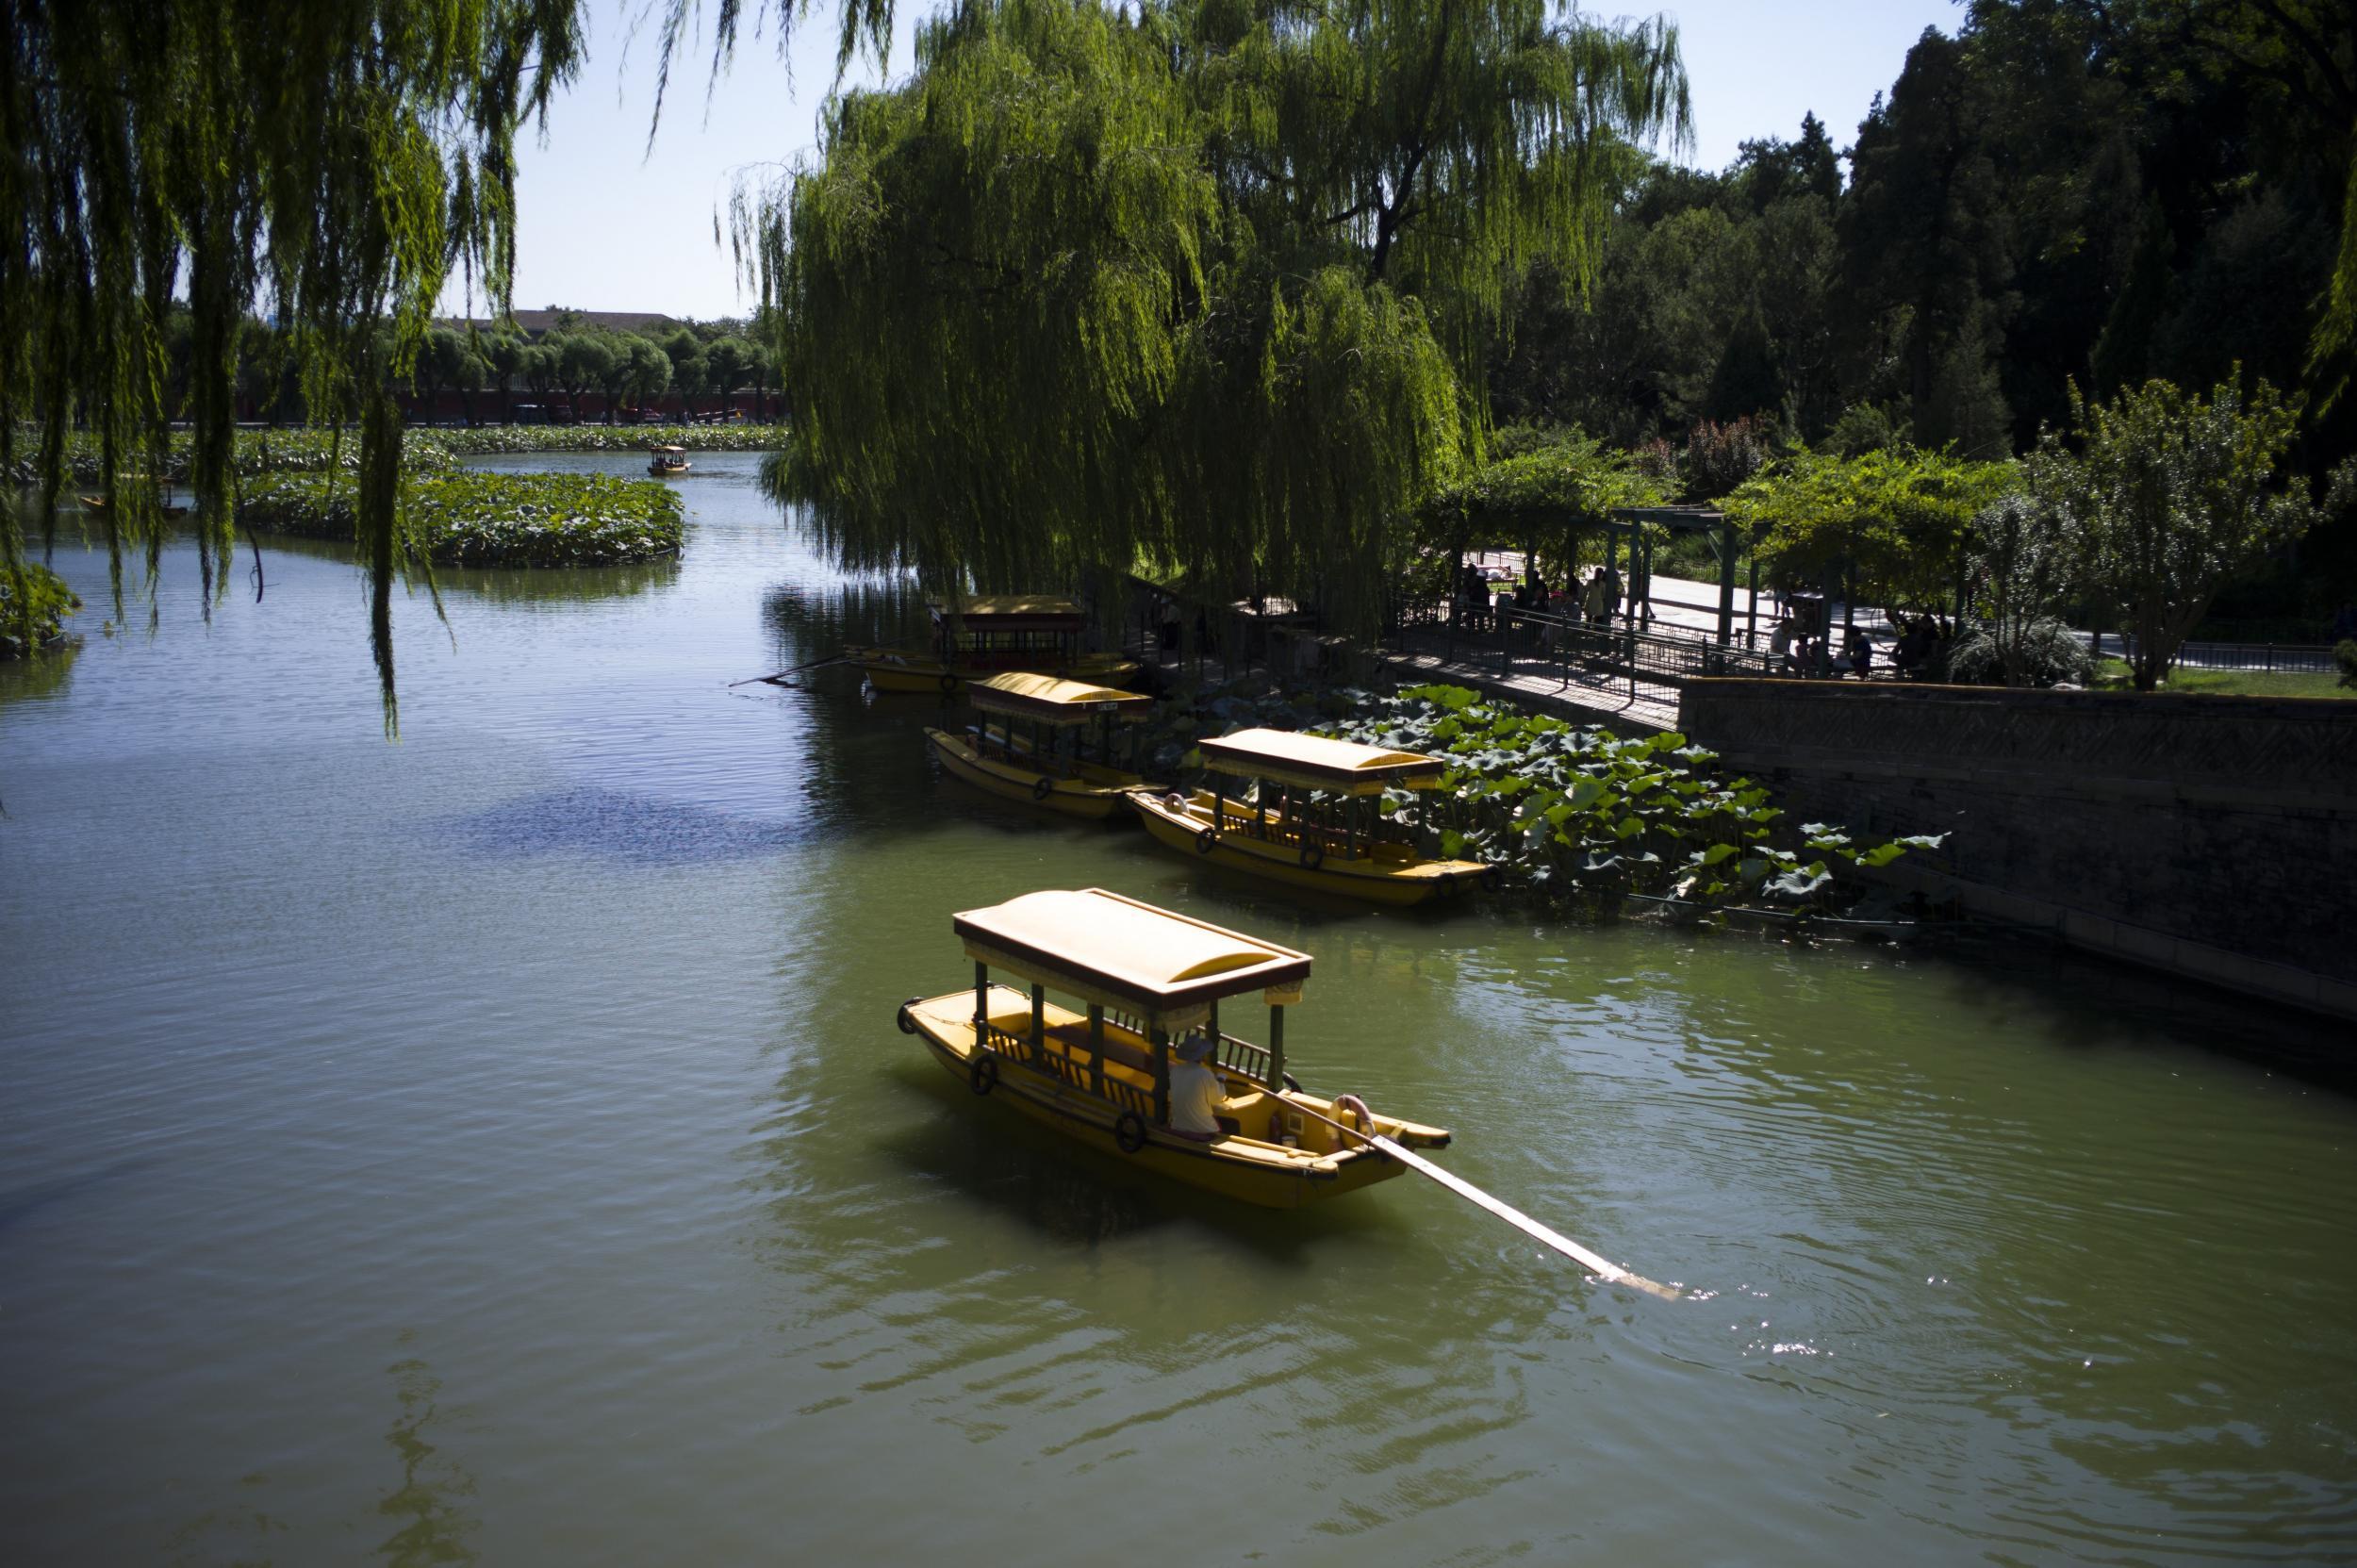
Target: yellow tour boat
666, 461
1313, 820
994, 634
1044, 766
1100, 1073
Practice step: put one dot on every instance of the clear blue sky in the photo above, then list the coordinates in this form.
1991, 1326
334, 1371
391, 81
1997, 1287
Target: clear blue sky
604, 226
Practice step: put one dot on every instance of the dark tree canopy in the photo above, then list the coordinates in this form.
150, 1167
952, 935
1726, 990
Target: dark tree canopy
1199, 285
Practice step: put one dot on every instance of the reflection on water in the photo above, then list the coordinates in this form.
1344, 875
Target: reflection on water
551, 586
44, 673
431, 1524
563, 1030
814, 620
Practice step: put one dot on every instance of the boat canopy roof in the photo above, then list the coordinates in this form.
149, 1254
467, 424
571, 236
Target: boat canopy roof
1056, 701
1014, 612
673, 450
1344, 767
1114, 950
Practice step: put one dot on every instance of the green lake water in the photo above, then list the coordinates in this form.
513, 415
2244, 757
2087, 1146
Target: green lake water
496, 1146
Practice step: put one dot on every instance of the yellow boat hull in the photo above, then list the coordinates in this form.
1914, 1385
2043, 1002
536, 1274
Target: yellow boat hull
1250, 1170
1092, 797
1394, 883
897, 670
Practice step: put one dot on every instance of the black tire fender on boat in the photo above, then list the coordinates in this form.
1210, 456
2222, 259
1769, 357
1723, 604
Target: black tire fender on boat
948, 684
908, 1024
1490, 878
982, 1077
1130, 1132
1043, 790
1206, 841
1292, 1083
1312, 853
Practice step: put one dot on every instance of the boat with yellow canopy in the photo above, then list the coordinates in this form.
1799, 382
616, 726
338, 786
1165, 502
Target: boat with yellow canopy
1059, 744
1100, 1073
992, 634
1312, 817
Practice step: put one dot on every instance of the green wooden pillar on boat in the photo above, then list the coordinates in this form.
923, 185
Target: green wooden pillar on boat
1039, 1023
1275, 1046
1211, 1027
981, 999
1161, 1074
1096, 1048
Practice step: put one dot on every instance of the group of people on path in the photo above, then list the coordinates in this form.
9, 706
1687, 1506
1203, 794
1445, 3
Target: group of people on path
1593, 603
1804, 649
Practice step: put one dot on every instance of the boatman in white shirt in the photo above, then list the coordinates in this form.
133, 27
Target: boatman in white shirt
1198, 1094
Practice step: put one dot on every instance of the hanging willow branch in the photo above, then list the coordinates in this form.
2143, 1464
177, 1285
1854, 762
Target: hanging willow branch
1181, 285
326, 164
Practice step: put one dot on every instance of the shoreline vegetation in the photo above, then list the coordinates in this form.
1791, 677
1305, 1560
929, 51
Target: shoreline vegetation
1572, 814
34, 603
487, 520
493, 440
306, 449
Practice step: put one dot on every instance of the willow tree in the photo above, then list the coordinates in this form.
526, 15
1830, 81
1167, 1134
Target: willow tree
328, 164
1199, 285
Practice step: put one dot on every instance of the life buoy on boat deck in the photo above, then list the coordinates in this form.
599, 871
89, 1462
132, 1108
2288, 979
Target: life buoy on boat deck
1358, 1108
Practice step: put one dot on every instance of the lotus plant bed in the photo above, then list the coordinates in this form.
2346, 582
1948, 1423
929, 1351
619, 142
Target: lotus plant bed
1574, 815
253, 453
490, 440
34, 603
488, 520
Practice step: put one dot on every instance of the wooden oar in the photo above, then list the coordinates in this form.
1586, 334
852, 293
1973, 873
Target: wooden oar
1604, 1268
781, 675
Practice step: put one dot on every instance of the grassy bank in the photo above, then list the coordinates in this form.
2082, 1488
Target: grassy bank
490, 439
488, 520
34, 603
2111, 675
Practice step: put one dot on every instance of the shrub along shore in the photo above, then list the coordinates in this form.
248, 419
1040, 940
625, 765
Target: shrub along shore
253, 453
485, 440
488, 520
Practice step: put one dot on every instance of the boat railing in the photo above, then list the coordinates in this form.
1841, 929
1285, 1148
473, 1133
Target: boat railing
1004, 1040
1244, 1057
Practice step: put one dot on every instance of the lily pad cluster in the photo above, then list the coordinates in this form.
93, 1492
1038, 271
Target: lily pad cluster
488, 520
253, 453
1579, 812
488, 440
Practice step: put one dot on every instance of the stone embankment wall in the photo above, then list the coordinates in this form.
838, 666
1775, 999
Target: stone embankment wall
2213, 836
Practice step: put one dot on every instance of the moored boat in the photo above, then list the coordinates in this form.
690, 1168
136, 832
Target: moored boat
1311, 817
994, 634
1102, 1073
1056, 743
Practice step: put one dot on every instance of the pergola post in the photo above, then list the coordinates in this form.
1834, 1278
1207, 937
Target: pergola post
1727, 582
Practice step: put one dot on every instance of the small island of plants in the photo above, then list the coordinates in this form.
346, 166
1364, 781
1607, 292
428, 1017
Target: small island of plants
487, 520
491, 440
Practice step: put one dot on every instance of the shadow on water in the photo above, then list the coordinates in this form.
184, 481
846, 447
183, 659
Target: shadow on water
619, 825
2087, 1001
1071, 1195
22, 1204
